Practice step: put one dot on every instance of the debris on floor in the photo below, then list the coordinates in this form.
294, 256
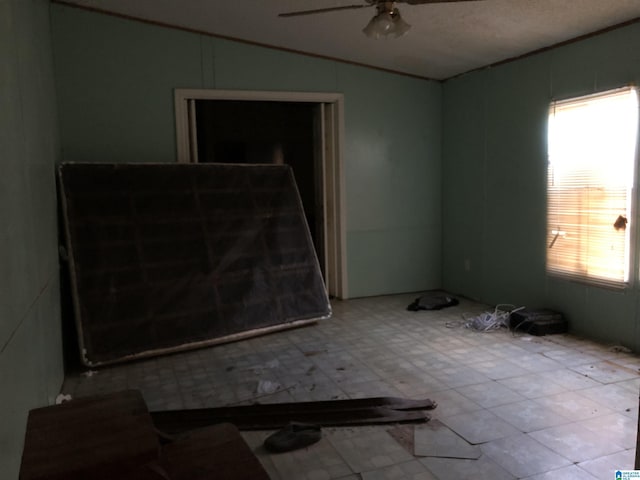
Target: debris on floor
619, 349
61, 398
537, 321
115, 436
293, 436
363, 411
313, 353
267, 387
270, 365
385, 349
490, 321
432, 301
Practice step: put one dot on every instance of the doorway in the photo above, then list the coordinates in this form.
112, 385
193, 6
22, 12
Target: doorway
302, 130
232, 131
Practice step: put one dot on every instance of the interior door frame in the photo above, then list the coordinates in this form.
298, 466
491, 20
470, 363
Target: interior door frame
331, 122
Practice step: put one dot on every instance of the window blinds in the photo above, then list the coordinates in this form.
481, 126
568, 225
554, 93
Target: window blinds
592, 149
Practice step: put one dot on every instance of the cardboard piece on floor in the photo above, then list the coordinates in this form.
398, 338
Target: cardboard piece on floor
436, 440
403, 434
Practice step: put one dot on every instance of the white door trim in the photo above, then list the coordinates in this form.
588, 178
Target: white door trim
332, 154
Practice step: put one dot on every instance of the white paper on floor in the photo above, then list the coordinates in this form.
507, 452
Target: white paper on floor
435, 439
270, 365
61, 398
267, 386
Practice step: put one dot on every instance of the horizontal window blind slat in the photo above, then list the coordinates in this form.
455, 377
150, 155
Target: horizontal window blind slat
592, 143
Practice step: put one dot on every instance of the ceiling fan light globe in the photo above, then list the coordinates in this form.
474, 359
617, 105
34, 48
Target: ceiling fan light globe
400, 26
370, 30
386, 23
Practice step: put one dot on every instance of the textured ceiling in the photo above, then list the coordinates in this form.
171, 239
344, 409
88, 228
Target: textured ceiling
446, 39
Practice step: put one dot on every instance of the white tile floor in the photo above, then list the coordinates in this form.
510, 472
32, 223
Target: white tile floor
555, 407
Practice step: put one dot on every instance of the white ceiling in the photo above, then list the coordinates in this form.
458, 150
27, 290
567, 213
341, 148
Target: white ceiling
446, 39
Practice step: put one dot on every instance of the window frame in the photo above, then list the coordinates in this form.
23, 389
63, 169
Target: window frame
630, 256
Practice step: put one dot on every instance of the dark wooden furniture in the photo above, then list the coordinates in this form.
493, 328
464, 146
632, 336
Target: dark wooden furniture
103, 437
112, 436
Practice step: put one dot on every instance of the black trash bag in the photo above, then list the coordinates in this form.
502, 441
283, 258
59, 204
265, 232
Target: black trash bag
432, 301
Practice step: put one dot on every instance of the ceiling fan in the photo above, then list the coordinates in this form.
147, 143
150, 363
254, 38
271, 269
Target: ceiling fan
387, 20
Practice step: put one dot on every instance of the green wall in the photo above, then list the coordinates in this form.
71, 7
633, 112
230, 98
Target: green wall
115, 81
470, 218
494, 182
477, 216
31, 370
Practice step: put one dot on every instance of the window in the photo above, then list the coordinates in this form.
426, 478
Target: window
592, 150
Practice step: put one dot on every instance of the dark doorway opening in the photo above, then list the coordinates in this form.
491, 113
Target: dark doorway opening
234, 131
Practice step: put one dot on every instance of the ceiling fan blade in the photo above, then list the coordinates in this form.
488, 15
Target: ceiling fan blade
423, 2
323, 10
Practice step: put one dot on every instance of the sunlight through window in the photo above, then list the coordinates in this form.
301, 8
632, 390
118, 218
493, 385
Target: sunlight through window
592, 151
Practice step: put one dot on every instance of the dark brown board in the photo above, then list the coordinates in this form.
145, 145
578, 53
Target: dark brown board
100, 438
365, 411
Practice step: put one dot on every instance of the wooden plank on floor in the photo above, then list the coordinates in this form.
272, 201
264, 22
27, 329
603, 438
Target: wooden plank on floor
366, 411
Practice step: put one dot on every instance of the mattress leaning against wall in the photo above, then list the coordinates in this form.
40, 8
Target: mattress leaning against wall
168, 257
